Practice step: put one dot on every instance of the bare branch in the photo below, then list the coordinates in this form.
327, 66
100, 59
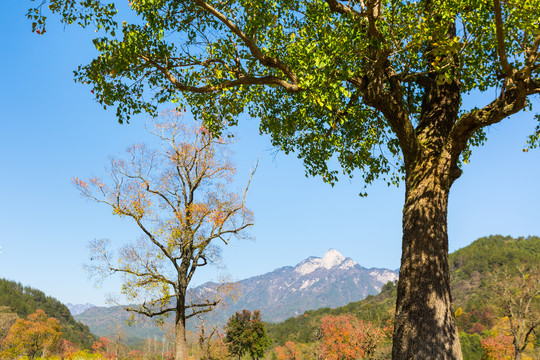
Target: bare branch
143, 310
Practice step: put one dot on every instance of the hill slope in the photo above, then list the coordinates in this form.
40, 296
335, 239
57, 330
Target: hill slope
24, 300
470, 275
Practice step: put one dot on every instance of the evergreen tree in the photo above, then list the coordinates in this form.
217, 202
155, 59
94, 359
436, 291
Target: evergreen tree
246, 334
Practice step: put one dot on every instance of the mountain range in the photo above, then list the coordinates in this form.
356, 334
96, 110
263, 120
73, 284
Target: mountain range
330, 281
76, 309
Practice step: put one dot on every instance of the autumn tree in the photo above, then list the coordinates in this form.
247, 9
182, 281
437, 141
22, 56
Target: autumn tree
289, 351
245, 334
178, 195
377, 85
7, 319
518, 297
344, 337
497, 347
33, 336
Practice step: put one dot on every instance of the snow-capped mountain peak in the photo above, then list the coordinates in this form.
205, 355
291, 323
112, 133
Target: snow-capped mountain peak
330, 260
328, 281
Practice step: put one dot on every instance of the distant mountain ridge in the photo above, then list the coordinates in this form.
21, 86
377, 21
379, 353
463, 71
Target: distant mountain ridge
76, 309
330, 281
315, 282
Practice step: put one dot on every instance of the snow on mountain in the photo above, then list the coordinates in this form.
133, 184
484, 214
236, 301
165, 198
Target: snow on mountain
331, 259
76, 309
384, 275
330, 281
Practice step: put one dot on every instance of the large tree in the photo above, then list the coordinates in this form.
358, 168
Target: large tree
376, 84
178, 195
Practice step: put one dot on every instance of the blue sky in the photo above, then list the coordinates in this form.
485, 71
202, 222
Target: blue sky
52, 130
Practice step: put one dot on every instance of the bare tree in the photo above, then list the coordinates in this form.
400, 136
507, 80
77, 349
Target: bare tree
519, 299
178, 196
210, 340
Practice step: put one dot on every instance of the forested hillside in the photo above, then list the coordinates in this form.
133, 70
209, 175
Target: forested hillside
473, 270
19, 300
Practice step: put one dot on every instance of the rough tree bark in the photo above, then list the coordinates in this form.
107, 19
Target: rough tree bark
425, 326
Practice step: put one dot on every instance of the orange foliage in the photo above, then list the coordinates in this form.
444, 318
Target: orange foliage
67, 349
36, 334
135, 355
499, 347
288, 352
102, 347
344, 337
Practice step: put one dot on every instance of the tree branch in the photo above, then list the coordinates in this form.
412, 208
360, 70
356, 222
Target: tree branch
338, 7
245, 80
144, 310
509, 102
501, 48
250, 43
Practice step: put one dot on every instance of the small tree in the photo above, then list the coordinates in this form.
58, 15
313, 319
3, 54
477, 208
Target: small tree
289, 351
344, 337
498, 347
518, 297
36, 334
7, 319
178, 196
246, 334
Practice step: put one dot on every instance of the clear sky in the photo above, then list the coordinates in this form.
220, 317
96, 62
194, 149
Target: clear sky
52, 130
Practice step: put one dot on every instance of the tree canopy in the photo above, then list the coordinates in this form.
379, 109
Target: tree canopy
324, 77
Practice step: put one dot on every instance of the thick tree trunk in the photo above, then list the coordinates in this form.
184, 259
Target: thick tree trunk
180, 347
425, 326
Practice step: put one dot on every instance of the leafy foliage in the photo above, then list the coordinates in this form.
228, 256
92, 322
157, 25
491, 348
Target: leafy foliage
301, 66
344, 337
24, 300
245, 333
36, 334
498, 347
471, 346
